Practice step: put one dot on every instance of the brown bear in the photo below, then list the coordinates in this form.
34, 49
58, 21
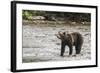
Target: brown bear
72, 39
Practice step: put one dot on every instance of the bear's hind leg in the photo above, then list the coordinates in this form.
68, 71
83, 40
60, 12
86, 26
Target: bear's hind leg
78, 49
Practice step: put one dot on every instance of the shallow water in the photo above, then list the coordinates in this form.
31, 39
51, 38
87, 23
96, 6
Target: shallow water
41, 44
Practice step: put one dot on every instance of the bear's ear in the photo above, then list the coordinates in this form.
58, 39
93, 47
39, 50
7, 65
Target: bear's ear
67, 32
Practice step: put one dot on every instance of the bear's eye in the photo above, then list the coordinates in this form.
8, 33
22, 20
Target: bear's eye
64, 33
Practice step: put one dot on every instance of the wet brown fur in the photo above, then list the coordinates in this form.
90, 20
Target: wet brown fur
70, 40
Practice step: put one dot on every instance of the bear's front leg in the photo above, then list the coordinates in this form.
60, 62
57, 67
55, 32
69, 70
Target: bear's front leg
70, 50
62, 48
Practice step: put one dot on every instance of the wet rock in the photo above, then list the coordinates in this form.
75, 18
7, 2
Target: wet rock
57, 43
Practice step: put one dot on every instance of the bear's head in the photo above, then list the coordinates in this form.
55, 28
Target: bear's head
62, 36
